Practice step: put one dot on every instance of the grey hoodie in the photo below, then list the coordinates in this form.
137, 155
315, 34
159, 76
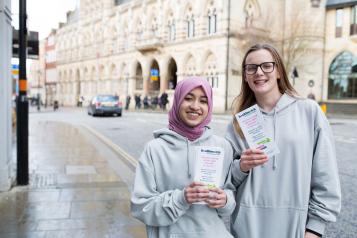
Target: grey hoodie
165, 168
299, 188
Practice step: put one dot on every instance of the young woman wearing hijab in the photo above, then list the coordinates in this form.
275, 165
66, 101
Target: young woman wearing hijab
164, 188
295, 193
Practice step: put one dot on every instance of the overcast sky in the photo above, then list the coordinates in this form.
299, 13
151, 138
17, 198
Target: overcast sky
43, 15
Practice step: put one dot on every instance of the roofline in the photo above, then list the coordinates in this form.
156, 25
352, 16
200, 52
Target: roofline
341, 5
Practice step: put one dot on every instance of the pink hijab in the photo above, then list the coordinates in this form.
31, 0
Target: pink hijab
182, 89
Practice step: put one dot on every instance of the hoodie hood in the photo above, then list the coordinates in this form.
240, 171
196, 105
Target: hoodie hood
173, 137
272, 120
283, 103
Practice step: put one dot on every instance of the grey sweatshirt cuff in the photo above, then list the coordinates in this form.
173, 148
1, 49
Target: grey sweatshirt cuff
316, 225
230, 205
237, 172
180, 201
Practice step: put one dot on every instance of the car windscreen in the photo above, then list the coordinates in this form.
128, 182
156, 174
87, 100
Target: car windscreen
108, 98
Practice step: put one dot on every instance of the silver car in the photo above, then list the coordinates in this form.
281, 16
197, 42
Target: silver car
105, 105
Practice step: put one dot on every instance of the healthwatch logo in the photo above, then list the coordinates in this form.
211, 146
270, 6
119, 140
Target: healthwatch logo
216, 152
247, 112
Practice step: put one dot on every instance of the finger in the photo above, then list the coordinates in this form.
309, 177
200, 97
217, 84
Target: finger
256, 162
196, 184
253, 156
252, 151
215, 203
216, 190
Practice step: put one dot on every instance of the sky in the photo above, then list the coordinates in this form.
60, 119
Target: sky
43, 15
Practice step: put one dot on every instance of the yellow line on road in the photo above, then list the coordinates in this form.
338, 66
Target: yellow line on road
113, 146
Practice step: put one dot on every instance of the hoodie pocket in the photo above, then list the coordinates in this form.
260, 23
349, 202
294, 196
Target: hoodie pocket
257, 222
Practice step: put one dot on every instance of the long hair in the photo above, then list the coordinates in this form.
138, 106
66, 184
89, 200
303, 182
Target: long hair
246, 97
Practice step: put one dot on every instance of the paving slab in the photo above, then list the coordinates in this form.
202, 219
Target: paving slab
76, 189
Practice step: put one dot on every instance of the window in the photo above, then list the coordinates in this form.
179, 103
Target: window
155, 28
213, 80
353, 27
342, 79
339, 22
190, 27
172, 31
212, 23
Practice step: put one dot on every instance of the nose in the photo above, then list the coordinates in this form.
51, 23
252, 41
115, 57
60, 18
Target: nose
259, 70
194, 105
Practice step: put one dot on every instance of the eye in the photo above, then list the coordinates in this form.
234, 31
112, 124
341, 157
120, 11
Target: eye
267, 65
204, 101
251, 68
188, 98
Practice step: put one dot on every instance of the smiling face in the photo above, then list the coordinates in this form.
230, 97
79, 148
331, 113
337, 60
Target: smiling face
260, 82
194, 107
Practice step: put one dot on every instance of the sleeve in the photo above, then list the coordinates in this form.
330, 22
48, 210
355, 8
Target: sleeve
150, 206
325, 197
237, 145
228, 186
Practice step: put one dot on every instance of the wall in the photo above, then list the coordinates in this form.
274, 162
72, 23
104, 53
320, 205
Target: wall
6, 171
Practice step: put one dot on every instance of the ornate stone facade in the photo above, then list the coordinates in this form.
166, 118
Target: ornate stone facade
117, 46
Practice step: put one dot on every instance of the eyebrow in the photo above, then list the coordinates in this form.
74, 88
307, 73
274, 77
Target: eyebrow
191, 94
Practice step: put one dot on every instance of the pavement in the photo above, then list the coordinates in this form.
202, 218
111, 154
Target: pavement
78, 188
79, 185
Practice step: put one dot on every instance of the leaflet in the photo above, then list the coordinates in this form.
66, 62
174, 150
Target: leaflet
209, 165
252, 124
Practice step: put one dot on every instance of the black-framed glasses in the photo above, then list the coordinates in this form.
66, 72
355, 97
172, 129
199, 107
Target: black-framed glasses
266, 67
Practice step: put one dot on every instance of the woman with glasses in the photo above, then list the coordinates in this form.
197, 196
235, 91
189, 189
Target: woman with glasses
295, 193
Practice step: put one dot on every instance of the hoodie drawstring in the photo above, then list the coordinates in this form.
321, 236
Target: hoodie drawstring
275, 160
188, 159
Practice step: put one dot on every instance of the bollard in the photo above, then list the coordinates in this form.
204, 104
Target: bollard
323, 107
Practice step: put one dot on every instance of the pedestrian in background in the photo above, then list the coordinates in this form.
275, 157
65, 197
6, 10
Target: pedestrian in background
164, 100
164, 190
127, 102
137, 102
146, 102
297, 192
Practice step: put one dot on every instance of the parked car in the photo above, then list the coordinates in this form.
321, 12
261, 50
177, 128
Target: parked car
105, 105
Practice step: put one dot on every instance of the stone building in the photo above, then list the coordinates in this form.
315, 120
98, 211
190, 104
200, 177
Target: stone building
340, 69
146, 46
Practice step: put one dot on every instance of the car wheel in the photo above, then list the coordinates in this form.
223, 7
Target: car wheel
119, 114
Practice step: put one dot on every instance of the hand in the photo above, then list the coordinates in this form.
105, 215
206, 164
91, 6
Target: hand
310, 235
196, 192
251, 158
217, 198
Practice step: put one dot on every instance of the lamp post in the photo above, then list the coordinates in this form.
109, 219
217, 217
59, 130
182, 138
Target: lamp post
22, 170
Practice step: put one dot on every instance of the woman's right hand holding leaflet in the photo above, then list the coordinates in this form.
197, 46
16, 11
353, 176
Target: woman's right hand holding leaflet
251, 158
196, 192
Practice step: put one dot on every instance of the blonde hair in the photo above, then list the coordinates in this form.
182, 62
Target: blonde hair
246, 97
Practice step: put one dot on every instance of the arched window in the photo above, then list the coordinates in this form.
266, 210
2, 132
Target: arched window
171, 28
190, 24
210, 71
212, 22
155, 27
139, 31
251, 10
342, 80
190, 68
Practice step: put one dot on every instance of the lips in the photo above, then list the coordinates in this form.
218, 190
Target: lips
193, 115
260, 82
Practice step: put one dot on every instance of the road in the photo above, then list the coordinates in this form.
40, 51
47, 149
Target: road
134, 129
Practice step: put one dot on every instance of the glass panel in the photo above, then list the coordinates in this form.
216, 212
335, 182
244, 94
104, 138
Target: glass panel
339, 17
342, 78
